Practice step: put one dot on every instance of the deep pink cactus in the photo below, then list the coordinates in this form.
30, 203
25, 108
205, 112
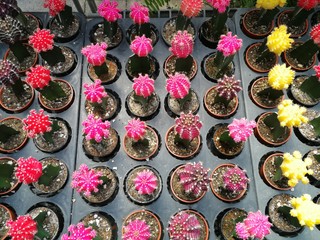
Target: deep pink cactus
95, 92
191, 8
184, 226
8, 73
143, 86
241, 129
241, 231
55, 6
146, 182
316, 68
178, 85
257, 225
95, 128
24, 227
136, 230
29, 170
36, 123
228, 87
220, 5
182, 44
188, 126
235, 179
307, 4
141, 46
38, 77
41, 40
95, 53
136, 129
139, 14
109, 10
229, 44
194, 178
86, 180
315, 34
79, 231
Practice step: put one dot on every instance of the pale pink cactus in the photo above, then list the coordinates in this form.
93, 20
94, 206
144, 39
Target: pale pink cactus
29, 170
220, 5
257, 225
242, 231
95, 92
86, 180
139, 14
136, 129
143, 86
235, 179
178, 85
136, 230
79, 231
95, 53
228, 87
24, 227
188, 126
182, 44
316, 68
315, 34
146, 182
194, 178
36, 123
55, 6
191, 8
109, 10
241, 129
38, 77
95, 128
41, 40
229, 44
141, 46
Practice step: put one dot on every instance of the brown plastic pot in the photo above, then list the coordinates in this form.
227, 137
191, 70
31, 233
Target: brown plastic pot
280, 22
16, 184
12, 216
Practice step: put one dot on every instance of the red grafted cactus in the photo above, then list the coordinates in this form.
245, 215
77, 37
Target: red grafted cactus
95, 53
178, 85
8, 73
141, 46
191, 8
136, 129
41, 40
228, 87
143, 86
235, 179
55, 6
316, 68
94, 92
109, 10
188, 126
95, 128
23, 228
182, 44
86, 180
194, 178
38, 77
145, 182
79, 231
229, 44
315, 34
36, 123
137, 230
29, 170
139, 13
307, 4
220, 5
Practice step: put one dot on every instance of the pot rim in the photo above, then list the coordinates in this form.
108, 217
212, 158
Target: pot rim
293, 35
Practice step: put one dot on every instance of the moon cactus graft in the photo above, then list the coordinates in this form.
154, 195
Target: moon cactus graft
29, 170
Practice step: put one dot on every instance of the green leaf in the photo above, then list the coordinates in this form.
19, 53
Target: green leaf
278, 161
285, 211
273, 123
49, 174
6, 133
317, 157
42, 234
6, 172
316, 125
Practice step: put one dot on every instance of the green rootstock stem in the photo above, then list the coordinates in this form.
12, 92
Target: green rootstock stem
139, 65
110, 28
48, 136
17, 88
142, 142
266, 16
49, 174
185, 143
6, 133
225, 139
101, 70
143, 29
298, 16
271, 93
182, 22
311, 86
140, 99
65, 17
273, 123
6, 175
223, 100
305, 52
53, 56
184, 64
182, 101
218, 22
19, 51
316, 125
53, 91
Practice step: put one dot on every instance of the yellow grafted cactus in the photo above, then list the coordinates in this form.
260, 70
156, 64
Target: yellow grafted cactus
291, 115
295, 169
280, 77
279, 40
306, 211
270, 4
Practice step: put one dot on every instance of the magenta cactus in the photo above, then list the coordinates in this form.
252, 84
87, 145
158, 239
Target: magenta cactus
229, 44
86, 180
143, 86
94, 92
36, 123
194, 178
220, 5
316, 68
182, 44
38, 77
29, 170
95, 53
242, 231
41, 40
79, 231
139, 14
188, 126
146, 182
136, 230
241, 129
178, 86
55, 6
136, 129
24, 227
109, 10
95, 129
235, 179
184, 226
228, 87
141, 46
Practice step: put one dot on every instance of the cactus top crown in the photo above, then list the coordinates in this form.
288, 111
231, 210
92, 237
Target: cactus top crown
315, 34
139, 13
178, 85
229, 44
137, 230
280, 77
24, 227
279, 40
146, 182
38, 77
143, 86
307, 4
188, 126
55, 6
182, 44
109, 10
141, 46
228, 87
220, 5
241, 129
36, 123
291, 115
94, 92
191, 8
136, 129
235, 179
270, 4
79, 231
95, 129
41, 40
29, 170
95, 53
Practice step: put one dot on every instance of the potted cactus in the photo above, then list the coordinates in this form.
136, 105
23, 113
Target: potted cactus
313, 155
221, 100
183, 140
97, 186
141, 141
9, 183
7, 214
189, 182
180, 98
309, 131
24, 227
79, 231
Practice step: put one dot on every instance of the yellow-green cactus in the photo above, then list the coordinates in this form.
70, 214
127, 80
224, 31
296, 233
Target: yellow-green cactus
291, 115
279, 40
280, 77
270, 4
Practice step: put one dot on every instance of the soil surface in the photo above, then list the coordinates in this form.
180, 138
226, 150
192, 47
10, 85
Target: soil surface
132, 31
315, 166
191, 105
263, 65
97, 36
299, 95
27, 63
17, 140
294, 63
143, 110
228, 222
4, 217
170, 67
295, 31
109, 77
62, 32
212, 71
169, 29
306, 129
219, 108
250, 22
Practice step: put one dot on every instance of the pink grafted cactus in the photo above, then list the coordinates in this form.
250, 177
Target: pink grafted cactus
141, 46
241, 129
24, 227
143, 86
316, 68
184, 226
36, 123
95, 53
235, 179
229, 44
228, 87
136, 129
191, 8
220, 5
139, 14
55, 6
146, 182
29, 170
315, 34
41, 40
94, 92
194, 178
38, 77
109, 10
178, 85
79, 231
188, 126
95, 128
137, 230
86, 180
307, 4
8, 73
242, 231
182, 44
